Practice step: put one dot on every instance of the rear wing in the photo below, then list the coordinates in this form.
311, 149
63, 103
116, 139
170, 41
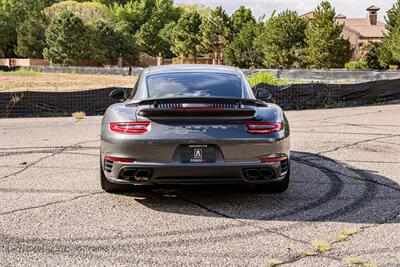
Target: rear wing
242, 113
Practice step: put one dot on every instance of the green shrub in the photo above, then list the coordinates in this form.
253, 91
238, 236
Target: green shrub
357, 65
265, 77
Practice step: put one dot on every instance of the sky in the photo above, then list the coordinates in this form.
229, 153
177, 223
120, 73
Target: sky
350, 8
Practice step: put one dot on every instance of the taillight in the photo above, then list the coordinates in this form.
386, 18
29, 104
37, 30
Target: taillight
130, 127
273, 159
122, 160
263, 127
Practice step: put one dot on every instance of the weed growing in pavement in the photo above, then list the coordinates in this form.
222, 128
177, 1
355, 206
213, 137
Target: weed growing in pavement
274, 262
79, 115
353, 261
321, 246
346, 233
304, 254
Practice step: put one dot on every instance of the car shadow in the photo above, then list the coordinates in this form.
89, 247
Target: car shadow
321, 189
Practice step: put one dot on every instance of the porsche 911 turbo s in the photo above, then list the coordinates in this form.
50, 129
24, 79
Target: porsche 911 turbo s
194, 124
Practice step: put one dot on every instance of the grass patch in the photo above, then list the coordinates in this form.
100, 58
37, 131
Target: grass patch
353, 261
346, 233
79, 115
356, 177
305, 254
321, 246
265, 77
274, 262
22, 72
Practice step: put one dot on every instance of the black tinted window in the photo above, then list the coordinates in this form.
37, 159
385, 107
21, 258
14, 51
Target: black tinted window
194, 85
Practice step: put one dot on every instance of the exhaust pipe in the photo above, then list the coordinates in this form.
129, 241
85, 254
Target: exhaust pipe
128, 174
267, 174
259, 174
252, 174
143, 175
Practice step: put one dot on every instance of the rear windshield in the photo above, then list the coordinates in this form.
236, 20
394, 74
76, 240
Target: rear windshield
194, 85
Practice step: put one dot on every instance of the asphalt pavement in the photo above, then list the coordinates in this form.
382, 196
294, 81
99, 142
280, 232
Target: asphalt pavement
342, 206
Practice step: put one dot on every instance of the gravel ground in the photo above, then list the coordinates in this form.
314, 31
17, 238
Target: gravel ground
343, 204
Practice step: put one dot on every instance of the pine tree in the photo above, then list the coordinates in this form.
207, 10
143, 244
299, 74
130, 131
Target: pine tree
241, 51
369, 54
66, 38
104, 43
325, 46
240, 18
186, 35
31, 39
148, 37
393, 17
215, 31
282, 40
388, 51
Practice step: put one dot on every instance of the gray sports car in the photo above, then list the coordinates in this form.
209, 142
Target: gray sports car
188, 124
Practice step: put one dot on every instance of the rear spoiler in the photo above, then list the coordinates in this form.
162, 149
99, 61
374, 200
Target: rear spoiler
242, 113
156, 101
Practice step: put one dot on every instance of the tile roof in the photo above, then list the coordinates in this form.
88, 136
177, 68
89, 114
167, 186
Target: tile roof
360, 22
371, 31
364, 27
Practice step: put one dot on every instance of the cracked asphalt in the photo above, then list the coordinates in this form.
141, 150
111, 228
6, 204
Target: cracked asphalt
343, 204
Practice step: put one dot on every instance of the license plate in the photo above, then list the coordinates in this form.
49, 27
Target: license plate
198, 154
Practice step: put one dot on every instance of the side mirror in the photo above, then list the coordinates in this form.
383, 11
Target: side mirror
263, 94
118, 94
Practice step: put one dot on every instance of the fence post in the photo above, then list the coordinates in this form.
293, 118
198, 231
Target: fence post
160, 60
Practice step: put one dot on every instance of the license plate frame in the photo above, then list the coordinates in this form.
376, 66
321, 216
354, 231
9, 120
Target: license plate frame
198, 154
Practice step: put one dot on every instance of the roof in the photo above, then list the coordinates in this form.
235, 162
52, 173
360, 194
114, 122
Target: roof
361, 26
340, 16
361, 22
192, 68
371, 31
373, 8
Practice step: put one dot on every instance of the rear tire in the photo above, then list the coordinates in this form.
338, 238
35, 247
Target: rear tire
110, 187
275, 188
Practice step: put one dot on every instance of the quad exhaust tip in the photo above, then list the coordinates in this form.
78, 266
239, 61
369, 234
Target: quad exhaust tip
139, 175
258, 174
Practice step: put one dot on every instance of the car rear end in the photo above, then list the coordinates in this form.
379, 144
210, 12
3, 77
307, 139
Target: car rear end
187, 140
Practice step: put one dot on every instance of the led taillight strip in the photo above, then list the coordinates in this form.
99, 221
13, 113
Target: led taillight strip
263, 127
273, 159
122, 160
130, 127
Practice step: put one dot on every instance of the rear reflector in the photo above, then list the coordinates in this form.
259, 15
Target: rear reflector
130, 127
122, 160
263, 127
274, 159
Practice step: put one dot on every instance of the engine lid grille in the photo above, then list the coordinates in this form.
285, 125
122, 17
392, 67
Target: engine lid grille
196, 105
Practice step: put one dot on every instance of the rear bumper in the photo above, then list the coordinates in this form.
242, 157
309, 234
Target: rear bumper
215, 173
